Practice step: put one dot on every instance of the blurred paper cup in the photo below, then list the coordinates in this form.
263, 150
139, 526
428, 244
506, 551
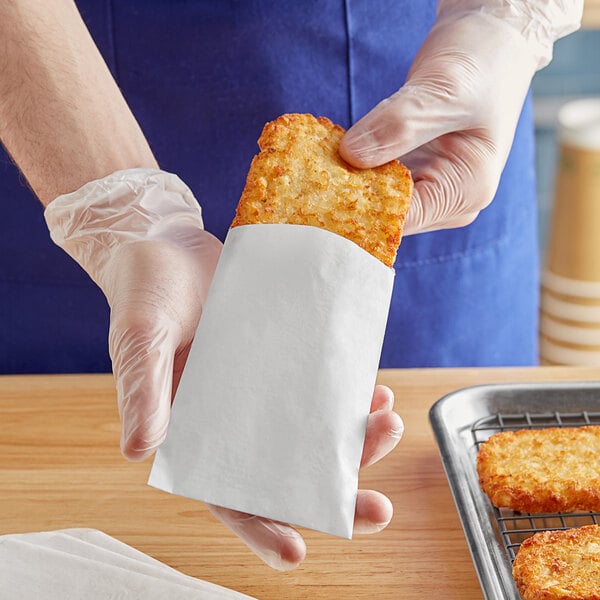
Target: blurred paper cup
570, 298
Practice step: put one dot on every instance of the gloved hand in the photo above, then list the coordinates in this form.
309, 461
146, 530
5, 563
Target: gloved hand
454, 120
279, 544
139, 235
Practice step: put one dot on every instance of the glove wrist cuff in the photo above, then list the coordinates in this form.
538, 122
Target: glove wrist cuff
539, 22
126, 206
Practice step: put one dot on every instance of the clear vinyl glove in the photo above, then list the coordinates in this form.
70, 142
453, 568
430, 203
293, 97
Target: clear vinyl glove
454, 120
139, 235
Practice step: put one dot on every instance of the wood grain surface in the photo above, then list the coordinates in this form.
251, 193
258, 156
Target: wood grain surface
60, 467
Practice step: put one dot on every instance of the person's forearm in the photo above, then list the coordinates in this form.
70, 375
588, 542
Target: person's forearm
62, 117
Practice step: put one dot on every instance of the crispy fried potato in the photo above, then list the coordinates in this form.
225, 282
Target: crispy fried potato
560, 565
542, 470
299, 178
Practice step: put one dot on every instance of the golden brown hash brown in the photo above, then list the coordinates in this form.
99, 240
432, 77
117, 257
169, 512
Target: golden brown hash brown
560, 565
542, 470
299, 178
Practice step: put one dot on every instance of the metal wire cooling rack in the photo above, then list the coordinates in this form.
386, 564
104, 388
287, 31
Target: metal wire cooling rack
515, 527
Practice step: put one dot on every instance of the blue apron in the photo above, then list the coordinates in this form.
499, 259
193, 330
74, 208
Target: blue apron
202, 78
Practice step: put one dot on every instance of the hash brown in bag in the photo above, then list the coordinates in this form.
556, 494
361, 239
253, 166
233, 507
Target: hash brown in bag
271, 411
299, 178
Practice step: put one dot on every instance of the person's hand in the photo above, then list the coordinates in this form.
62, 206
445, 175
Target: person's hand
280, 545
453, 121
139, 234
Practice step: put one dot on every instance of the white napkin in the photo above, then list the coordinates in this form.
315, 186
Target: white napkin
84, 563
271, 411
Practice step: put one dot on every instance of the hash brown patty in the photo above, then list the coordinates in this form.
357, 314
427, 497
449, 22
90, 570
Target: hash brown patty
560, 565
299, 178
542, 470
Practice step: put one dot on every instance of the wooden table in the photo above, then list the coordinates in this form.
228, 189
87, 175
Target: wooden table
60, 467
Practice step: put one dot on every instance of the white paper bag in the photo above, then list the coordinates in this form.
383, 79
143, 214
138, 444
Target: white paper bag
271, 411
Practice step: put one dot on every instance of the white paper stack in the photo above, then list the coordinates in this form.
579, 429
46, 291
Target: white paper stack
271, 411
76, 564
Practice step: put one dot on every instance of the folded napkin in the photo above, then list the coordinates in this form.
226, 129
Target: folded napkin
73, 564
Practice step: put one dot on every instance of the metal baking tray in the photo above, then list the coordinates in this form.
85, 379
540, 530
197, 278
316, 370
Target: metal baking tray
464, 419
